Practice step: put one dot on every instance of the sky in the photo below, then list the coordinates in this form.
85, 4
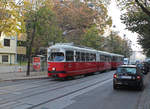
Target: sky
115, 13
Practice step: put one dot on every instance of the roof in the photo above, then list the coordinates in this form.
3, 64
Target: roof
134, 66
72, 46
113, 54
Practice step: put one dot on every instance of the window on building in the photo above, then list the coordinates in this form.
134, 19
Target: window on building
5, 58
69, 56
7, 42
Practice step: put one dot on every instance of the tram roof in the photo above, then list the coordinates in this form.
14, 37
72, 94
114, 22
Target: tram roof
71, 46
113, 54
65, 46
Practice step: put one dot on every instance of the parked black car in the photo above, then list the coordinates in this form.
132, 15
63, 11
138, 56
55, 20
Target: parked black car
146, 67
128, 75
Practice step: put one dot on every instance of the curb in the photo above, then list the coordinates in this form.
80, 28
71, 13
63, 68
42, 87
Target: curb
25, 78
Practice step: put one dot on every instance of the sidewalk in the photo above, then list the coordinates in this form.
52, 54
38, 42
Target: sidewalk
12, 68
22, 75
144, 101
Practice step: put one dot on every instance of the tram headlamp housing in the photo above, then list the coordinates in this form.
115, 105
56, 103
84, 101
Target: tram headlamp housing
53, 68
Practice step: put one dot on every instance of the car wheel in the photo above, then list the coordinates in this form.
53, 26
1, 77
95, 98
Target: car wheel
115, 86
141, 87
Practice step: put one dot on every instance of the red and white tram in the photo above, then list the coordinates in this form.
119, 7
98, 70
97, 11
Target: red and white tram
66, 60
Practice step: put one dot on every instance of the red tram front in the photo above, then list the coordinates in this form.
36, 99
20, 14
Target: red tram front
67, 61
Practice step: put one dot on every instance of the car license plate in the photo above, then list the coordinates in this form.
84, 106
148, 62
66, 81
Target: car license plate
126, 77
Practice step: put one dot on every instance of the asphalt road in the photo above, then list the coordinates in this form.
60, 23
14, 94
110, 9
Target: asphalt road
90, 92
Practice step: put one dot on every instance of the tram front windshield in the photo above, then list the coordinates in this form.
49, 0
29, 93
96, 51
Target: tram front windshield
56, 57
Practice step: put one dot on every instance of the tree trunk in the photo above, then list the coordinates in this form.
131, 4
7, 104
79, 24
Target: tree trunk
30, 49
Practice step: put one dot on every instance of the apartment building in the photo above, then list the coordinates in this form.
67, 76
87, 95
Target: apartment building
10, 47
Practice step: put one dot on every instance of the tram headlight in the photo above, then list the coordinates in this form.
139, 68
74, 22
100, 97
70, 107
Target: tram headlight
53, 68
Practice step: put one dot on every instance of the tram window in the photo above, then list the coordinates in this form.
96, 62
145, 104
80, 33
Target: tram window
93, 57
77, 56
90, 57
87, 57
109, 58
69, 56
102, 57
120, 59
114, 58
56, 57
83, 57
106, 59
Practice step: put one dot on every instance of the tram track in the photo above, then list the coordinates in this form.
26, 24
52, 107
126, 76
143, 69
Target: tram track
67, 94
38, 84
51, 82
6, 88
45, 91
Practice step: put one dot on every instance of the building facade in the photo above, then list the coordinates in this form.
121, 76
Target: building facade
9, 48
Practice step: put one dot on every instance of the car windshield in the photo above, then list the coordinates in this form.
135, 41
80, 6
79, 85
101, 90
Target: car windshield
126, 70
56, 57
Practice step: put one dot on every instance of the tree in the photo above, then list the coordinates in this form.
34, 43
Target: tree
137, 20
76, 17
140, 23
40, 25
116, 44
92, 39
10, 18
135, 5
47, 29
